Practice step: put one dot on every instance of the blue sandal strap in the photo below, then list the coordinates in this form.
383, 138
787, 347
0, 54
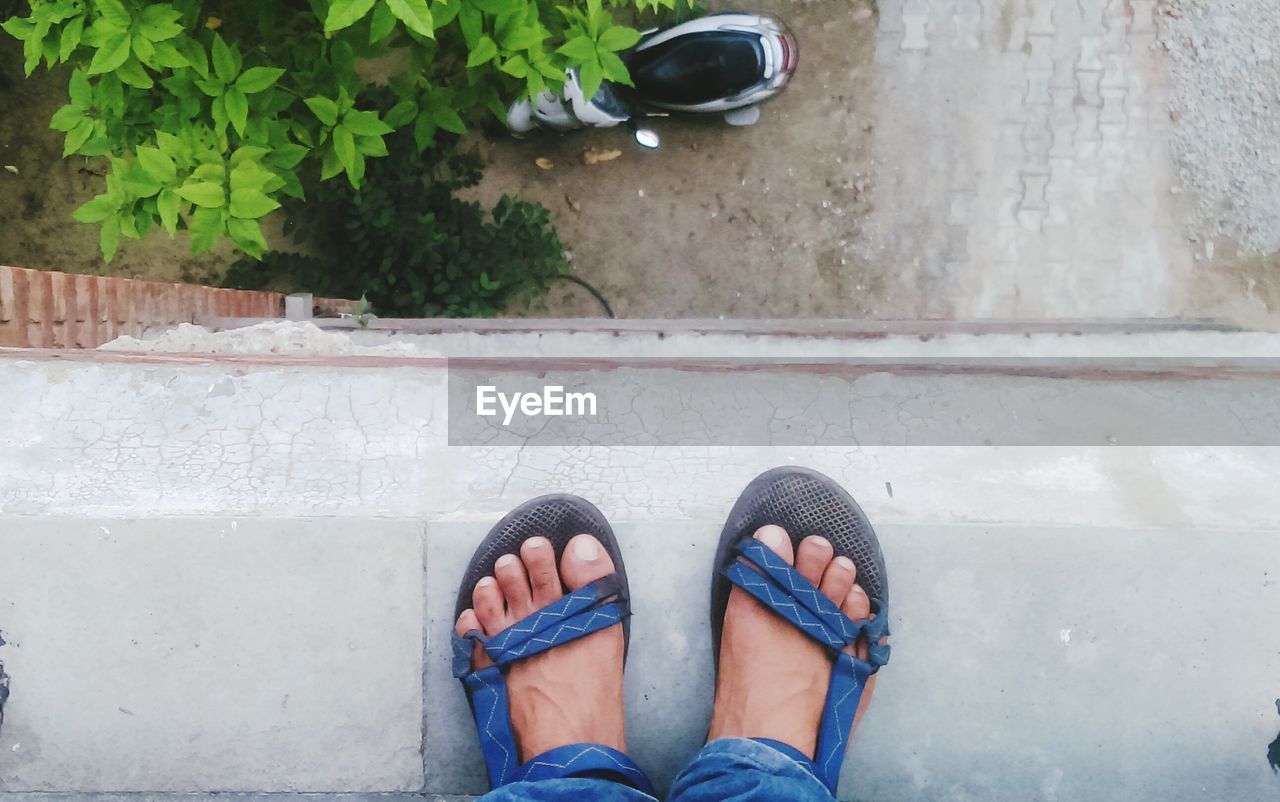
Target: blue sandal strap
784, 591
848, 680
578, 760
588, 609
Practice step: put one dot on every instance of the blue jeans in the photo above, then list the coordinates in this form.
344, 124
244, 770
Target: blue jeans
727, 770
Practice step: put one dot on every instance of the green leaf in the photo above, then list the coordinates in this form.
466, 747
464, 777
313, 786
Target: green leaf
251, 204
237, 109
160, 22
206, 194
96, 210
345, 13
615, 69
226, 62
96, 146
109, 237
516, 66
77, 136
139, 183
287, 156
401, 114
114, 12
195, 55
258, 79
133, 74
373, 146
248, 235
80, 90
448, 119
494, 7
169, 144
383, 23
19, 28
211, 86
143, 48
483, 52
415, 15
66, 118
325, 110
355, 174
33, 49
580, 48
168, 56
206, 226
167, 203
111, 54
344, 145
365, 123
70, 40
619, 37
157, 164
246, 155
218, 109
472, 24
591, 76
424, 130
251, 175
518, 29
330, 165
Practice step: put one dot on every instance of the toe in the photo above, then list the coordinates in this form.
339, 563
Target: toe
489, 605
513, 580
776, 538
584, 561
813, 557
540, 564
837, 580
468, 622
857, 606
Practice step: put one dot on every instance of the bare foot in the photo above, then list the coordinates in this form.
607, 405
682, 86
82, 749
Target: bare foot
567, 695
772, 681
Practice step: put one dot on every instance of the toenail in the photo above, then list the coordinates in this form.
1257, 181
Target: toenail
505, 561
536, 543
587, 548
845, 563
485, 582
772, 537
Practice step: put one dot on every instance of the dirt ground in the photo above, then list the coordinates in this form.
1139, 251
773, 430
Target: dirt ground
762, 221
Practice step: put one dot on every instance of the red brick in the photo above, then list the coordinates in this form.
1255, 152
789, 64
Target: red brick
87, 312
39, 310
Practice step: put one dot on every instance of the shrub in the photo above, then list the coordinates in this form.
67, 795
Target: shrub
208, 113
408, 244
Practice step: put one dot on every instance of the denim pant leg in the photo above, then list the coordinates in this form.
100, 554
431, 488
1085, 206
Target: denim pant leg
570, 789
742, 770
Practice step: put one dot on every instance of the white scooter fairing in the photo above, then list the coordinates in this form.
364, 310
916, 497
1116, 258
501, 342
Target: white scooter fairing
567, 112
572, 110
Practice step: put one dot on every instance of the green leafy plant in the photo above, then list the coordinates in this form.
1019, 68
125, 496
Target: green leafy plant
209, 114
407, 246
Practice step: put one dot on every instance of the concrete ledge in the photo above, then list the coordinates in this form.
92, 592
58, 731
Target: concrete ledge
198, 655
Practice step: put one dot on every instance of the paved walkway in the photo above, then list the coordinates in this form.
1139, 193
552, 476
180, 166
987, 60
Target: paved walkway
1041, 183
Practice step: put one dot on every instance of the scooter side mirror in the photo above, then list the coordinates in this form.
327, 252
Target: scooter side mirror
647, 138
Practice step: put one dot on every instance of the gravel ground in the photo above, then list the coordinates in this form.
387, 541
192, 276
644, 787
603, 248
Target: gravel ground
1226, 72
